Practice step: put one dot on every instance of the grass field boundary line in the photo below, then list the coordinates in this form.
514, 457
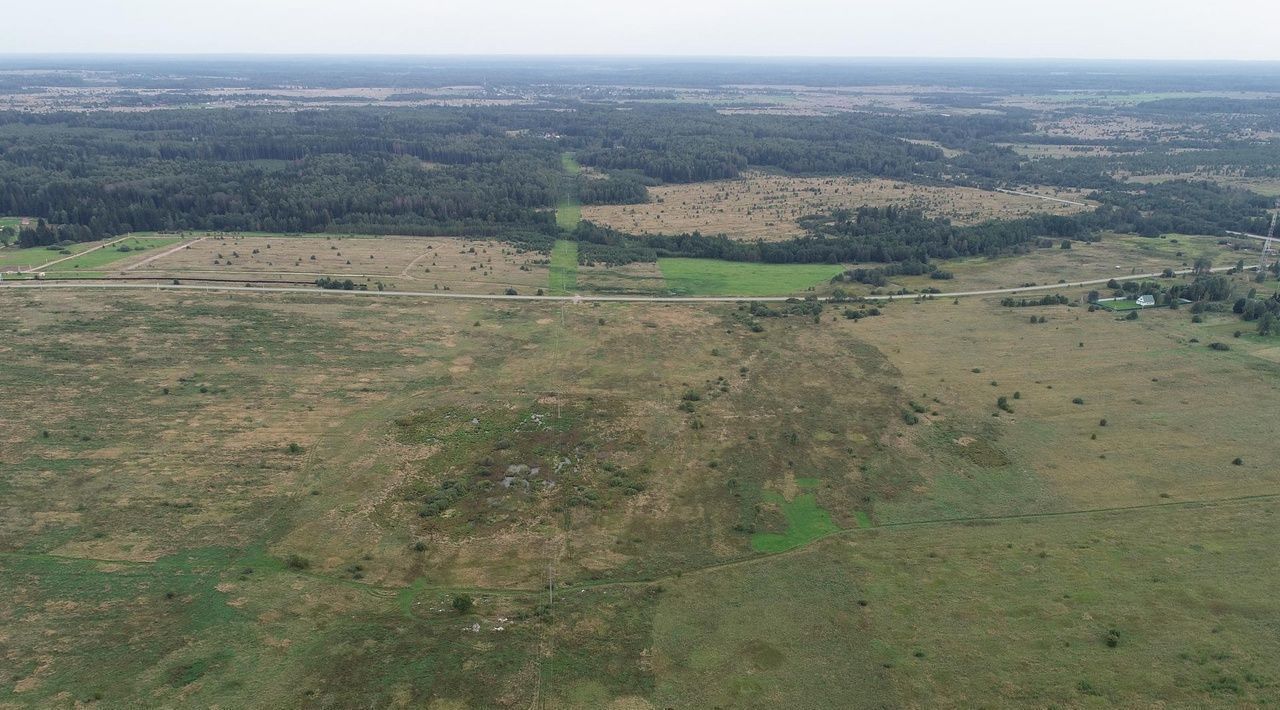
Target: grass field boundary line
103, 245
107, 283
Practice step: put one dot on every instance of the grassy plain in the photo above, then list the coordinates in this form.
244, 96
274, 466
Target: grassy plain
569, 211
119, 254
563, 278
1262, 186
1115, 256
762, 206
712, 277
408, 263
16, 258
733, 518
151, 492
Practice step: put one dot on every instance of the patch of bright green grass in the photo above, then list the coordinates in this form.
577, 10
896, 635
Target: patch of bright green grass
806, 522
568, 214
564, 267
713, 277
569, 211
11, 257
127, 249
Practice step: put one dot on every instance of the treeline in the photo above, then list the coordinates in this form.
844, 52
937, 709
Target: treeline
424, 173
695, 143
895, 235
614, 189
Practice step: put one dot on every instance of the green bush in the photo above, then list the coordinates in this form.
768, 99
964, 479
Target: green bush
463, 603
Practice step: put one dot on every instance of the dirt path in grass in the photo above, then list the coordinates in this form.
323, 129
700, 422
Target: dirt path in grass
163, 254
103, 245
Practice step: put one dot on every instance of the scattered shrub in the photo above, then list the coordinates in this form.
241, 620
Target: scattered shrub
463, 603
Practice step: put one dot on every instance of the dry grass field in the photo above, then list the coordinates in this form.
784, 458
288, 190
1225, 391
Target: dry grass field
408, 263
761, 206
1037, 150
1262, 186
1116, 256
246, 499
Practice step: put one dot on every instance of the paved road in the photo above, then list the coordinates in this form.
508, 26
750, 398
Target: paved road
571, 299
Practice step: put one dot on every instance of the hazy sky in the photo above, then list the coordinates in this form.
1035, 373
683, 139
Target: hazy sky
1156, 29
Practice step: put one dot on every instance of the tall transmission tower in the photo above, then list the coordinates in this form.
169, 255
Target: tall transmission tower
1271, 234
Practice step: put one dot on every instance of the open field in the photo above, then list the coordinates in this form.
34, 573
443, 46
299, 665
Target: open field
120, 254
148, 441
712, 277
14, 223
1262, 186
1009, 613
569, 211
411, 263
761, 206
14, 258
1052, 150
1115, 256
563, 278
151, 493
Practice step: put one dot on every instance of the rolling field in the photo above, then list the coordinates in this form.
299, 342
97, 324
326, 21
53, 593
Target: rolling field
255, 500
761, 206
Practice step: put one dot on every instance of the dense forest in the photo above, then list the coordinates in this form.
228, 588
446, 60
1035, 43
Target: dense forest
423, 171
497, 171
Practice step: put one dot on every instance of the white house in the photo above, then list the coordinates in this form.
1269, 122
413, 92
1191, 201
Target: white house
1147, 300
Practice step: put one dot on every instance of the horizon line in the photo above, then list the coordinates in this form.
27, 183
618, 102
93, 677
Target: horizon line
622, 56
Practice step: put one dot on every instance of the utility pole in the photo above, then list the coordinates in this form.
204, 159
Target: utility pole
1271, 234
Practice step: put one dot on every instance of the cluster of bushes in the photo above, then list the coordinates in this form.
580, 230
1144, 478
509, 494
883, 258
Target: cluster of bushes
791, 307
449, 492
1265, 311
340, 284
860, 313
880, 275
1046, 300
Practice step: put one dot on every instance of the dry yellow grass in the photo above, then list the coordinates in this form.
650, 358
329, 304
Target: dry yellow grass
1172, 406
762, 206
409, 263
1116, 256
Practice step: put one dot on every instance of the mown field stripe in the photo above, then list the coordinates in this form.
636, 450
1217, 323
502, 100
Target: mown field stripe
563, 278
